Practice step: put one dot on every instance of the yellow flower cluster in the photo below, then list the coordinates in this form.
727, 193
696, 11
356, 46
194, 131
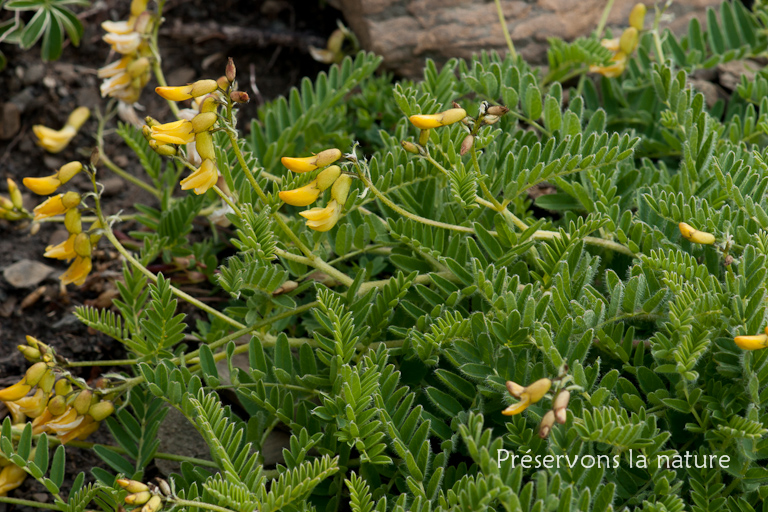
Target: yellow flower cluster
535, 392
54, 141
752, 342
125, 78
319, 219
142, 494
53, 405
622, 47
164, 138
12, 207
78, 245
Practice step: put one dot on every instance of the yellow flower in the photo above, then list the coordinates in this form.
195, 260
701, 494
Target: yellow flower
56, 205
202, 179
323, 219
527, 395
11, 477
695, 236
612, 70
611, 44
185, 92
427, 121
309, 193
81, 267
48, 185
15, 391
177, 132
55, 141
310, 163
303, 196
754, 342
117, 27
63, 251
123, 43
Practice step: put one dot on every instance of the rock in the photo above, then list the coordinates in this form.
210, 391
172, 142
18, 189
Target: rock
405, 32
710, 91
181, 76
58, 236
731, 72
69, 323
26, 273
33, 74
112, 186
10, 120
53, 162
178, 436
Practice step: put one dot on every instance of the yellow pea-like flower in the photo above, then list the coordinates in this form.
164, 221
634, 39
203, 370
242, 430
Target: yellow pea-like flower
55, 141
15, 391
202, 179
695, 236
47, 185
612, 70
123, 44
185, 92
628, 40
528, 395
310, 163
303, 196
77, 272
177, 132
56, 205
427, 121
11, 477
323, 219
115, 68
754, 342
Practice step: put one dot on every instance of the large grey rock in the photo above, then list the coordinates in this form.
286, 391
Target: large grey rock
406, 32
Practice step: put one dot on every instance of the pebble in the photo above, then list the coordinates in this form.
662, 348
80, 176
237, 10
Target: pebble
33, 74
26, 273
113, 186
10, 118
58, 236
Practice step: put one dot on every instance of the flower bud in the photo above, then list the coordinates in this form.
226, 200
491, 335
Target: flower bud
327, 157
204, 145
143, 22
697, 237
497, 110
164, 487
35, 373
138, 67
546, 424
231, 70
83, 245
153, 505
151, 121
427, 121
203, 122
101, 410
62, 387
29, 353
423, 137
223, 83
57, 405
209, 104
410, 147
47, 382
138, 498
239, 97
15, 193
560, 404
132, 486
491, 119
70, 200
6, 204
68, 171
327, 177
72, 221
163, 149
82, 402
628, 41
340, 189
466, 145
637, 17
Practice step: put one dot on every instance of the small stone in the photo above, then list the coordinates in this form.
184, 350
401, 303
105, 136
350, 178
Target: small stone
58, 236
113, 186
10, 118
67, 323
49, 82
52, 162
181, 76
33, 74
40, 497
26, 273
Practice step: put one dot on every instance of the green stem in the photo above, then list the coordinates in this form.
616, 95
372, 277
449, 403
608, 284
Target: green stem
28, 503
200, 504
106, 362
157, 60
505, 30
604, 18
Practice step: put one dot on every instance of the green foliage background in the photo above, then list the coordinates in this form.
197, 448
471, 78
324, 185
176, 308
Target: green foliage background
392, 387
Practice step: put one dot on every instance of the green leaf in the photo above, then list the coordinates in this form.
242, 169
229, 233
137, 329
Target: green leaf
35, 29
